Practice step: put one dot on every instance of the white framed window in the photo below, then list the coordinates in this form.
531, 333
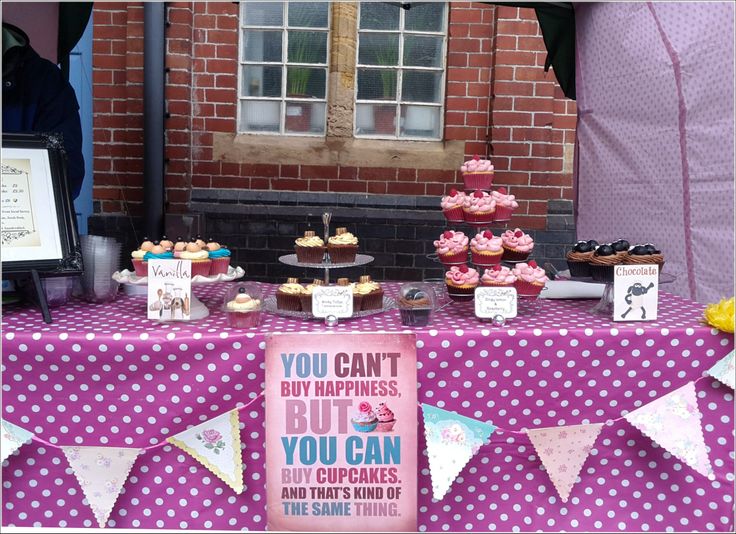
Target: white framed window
400, 67
283, 57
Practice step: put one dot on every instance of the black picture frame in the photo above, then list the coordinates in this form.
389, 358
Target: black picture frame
56, 250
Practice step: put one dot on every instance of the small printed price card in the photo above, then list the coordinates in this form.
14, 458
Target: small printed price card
635, 292
492, 301
332, 300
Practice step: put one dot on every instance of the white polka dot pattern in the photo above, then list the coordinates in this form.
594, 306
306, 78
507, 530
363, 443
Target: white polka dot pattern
101, 375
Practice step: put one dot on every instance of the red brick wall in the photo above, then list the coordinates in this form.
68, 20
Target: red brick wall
499, 101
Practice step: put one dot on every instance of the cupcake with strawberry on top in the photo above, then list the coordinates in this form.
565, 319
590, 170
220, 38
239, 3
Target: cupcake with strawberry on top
452, 206
477, 173
479, 208
516, 245
486, 249
498, 276
505, 204
461, 282
452, 248
530, 279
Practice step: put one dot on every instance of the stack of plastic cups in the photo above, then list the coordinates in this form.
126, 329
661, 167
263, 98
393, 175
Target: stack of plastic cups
101, 256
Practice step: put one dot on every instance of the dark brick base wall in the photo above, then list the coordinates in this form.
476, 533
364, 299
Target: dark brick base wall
398, 232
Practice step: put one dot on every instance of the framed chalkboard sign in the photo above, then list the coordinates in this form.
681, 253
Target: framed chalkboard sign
39, 227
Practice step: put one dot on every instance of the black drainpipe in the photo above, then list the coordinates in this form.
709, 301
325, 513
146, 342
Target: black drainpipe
154, 47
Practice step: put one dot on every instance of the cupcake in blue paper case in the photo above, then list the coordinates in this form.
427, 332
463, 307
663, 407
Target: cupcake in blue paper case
365, 419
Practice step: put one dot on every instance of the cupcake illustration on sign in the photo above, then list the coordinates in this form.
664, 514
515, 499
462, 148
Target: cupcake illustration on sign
386, 418
365, 419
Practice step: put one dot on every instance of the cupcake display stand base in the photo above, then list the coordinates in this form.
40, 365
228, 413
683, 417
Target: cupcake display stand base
197, 309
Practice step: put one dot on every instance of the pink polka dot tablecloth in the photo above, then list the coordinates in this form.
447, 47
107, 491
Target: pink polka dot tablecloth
104, 375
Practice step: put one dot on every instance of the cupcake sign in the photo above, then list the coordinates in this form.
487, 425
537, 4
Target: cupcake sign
635, 292
341, 432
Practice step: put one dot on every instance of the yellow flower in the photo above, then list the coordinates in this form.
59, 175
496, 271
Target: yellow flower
721, 315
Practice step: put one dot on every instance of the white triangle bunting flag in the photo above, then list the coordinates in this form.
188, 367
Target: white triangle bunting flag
11, 438
673, 421
725, 370
563, 451
216, 445
102, 473
452, 441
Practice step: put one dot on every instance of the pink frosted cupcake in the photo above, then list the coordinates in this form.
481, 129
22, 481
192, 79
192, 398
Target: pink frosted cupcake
220, 257
479, 208
486, 249
530, 279
452, 248
516, 245
386, 419
505, 204
461, 282
452, 206
498, 276
477, 173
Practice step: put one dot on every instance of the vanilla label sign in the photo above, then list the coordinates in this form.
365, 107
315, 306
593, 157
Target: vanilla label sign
169, 289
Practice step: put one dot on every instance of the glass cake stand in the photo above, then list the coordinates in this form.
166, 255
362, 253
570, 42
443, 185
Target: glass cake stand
360, 259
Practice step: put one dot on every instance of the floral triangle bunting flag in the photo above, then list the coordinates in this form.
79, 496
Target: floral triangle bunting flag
725, 370
102, 473
563, 451
11, 438
452, 441
673, 421
216, 445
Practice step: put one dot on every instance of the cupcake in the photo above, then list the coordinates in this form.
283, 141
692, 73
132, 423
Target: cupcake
578, 258
530, 279
342, 247
480, 208
310, 248
179, 247
498, 276
139, 264
452, 248
288, 295
516, 245
461, 282
621, 248
452, 206
166, 243
243, 311
505, 204
645, 254
486, 249
357, 295
415, 304
371, 292
198, 240
602, 263
305, 298
200, 258
386, 419
157, 253
477, 173
365, 419
220, 257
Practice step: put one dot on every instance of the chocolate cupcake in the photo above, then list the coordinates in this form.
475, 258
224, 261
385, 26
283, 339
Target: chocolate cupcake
578, 258
306, 298
342, 247
357, 296
372, 293
310, 248
288, 295
621, 247
602, 263
415, 307
645, 254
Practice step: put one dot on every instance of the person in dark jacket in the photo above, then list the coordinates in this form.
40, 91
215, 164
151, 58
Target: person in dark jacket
37, 99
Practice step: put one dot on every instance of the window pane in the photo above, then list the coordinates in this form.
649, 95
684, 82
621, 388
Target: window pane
376, 84
379, 16
420, 121
425, 17
260, 80
262, 45
307, 47
375, 119
378, 49
422, 51
260, 116
304, 82
305, 117
308, 14
421, 86
264, 13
